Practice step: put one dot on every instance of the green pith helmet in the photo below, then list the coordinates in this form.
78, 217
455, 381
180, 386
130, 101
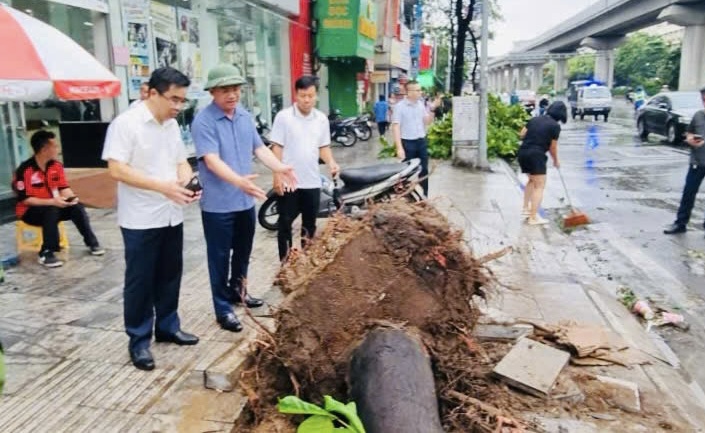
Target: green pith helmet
224, 75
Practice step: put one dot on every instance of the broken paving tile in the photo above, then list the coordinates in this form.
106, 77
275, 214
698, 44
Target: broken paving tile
532, 367
567, 390
218, 381
624, 395
501, 332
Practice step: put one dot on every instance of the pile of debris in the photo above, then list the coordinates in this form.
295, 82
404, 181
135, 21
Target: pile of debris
402, 266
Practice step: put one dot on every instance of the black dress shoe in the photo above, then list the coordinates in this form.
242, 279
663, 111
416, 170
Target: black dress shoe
142, 359
250, 301
230, 322
674, 228
179, 337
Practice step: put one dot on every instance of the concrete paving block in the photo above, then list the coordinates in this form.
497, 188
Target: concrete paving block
502, 333
223, 374
625, 395
532, 367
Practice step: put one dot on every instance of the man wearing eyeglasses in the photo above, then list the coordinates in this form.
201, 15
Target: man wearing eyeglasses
226, 139
147, 157
409, 121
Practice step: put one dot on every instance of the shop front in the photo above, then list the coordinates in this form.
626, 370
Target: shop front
346, 33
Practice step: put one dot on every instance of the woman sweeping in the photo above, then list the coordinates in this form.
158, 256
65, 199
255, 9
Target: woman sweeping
540, 135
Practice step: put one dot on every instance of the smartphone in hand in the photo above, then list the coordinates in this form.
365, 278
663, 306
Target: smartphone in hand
194, 184
70, 199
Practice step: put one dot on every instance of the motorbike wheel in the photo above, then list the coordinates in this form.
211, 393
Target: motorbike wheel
347, 138
363, 132
268, 215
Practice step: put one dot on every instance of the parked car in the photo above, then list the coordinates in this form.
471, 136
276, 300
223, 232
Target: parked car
593, 100
668, 114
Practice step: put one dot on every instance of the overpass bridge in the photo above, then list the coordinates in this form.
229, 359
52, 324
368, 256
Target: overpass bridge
603, 27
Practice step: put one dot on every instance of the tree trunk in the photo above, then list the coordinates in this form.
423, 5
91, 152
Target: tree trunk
392, 384
463, 19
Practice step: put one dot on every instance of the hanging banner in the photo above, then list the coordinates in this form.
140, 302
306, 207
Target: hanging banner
190, 47
165, 34
136, 19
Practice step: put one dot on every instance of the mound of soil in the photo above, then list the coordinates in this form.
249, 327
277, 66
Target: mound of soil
401, 266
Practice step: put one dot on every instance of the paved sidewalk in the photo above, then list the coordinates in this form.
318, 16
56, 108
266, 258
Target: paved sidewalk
549, 281
68, 367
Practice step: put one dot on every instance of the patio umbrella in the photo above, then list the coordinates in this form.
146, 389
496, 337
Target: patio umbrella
40, 62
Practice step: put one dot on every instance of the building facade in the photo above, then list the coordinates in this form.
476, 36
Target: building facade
269, 40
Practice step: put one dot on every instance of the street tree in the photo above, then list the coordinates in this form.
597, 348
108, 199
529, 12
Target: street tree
455, 22
581, 67
647, 60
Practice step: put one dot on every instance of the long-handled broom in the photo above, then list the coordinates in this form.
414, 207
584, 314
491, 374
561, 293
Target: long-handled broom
575, 217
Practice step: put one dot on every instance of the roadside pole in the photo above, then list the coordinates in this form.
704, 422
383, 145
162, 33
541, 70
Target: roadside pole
482, 160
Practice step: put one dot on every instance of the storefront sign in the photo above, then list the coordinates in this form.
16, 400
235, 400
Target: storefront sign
190, 47
400, 56
347, 28
379, 77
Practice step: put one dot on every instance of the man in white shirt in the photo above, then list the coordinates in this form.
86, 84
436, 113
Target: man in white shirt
146, 156
300, 136
144, 94
409, 121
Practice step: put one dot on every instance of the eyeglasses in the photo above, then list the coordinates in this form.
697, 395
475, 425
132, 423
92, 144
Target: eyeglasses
175, 100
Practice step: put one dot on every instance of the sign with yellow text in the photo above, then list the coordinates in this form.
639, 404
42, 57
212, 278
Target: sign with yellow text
346, 28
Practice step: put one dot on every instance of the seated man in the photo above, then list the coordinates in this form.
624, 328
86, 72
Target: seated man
44, 198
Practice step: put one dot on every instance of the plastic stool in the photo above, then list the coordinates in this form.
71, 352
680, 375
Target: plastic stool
29, 238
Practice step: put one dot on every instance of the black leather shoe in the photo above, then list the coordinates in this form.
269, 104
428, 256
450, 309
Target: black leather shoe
674, 228
179, 337
250, 301
230, 322
142, 359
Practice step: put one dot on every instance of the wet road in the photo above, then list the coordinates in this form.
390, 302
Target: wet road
631, 190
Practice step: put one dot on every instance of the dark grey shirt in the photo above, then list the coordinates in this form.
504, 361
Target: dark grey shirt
697, 126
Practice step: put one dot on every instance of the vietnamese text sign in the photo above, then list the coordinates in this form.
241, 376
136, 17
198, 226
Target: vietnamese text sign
466, 118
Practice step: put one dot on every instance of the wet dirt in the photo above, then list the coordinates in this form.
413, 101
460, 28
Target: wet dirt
400, 265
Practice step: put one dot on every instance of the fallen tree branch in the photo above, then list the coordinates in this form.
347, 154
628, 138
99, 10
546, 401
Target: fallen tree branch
495, 255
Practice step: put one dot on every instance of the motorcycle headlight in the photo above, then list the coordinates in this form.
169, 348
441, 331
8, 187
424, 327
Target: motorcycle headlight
684, 120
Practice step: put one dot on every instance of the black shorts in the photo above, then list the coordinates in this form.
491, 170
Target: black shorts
532, 161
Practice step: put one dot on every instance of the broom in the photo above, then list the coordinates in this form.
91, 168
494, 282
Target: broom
575, 217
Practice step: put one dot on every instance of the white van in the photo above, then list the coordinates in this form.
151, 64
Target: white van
593, 100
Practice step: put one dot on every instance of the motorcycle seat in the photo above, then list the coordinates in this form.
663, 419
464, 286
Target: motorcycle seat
371, 174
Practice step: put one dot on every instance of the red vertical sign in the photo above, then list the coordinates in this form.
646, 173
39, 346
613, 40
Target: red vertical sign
300, 43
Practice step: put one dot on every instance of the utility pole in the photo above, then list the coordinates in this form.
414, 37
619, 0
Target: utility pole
484, 112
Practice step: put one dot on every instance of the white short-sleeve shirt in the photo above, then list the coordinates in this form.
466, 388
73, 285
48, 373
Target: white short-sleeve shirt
302, 137
138, 140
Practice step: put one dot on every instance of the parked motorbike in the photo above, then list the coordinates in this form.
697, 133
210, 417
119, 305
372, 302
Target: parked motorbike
342, 132
362, 186
263, 130
362, 125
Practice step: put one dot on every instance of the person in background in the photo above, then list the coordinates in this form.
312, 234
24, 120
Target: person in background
147, 157
144, 94
543, 105
540, 135
382, 114
44, 198
696, 170
409, 121
226, 138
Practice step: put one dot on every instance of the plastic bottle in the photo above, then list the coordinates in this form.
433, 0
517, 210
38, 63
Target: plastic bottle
642, 308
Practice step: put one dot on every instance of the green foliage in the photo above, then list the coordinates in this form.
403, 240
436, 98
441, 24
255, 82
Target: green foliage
440, 137
388, 149
504, 124
440, 140
581, 67
647, 60
544, 90
323, 419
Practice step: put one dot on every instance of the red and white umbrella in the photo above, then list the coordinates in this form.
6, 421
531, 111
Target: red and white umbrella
39, 62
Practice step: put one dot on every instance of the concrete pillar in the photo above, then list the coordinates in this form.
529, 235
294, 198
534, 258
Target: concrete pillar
521, 81
514, 79
536, 77
692, 73
507, 79
559, 78
604, 57
604, 67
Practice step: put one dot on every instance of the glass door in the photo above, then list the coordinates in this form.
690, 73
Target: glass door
13, 144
